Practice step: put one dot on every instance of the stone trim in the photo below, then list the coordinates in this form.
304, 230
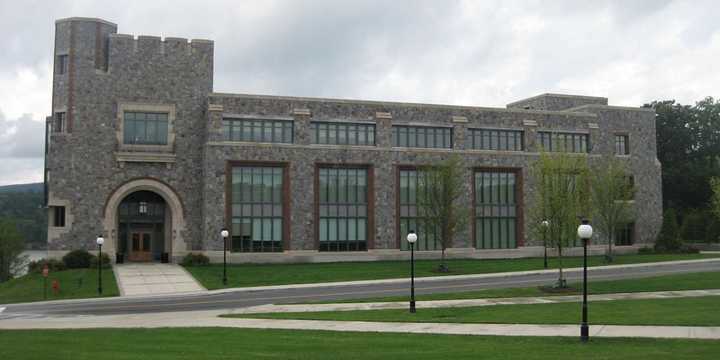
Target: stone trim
301, 112
123, 106
55, 232
459, 119
530, 123
383, 115
257, 117
593, 126
215, 107
151, 157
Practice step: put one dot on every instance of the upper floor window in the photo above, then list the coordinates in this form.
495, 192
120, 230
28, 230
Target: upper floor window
145, 128
62, 64
342, 133
563, 142
258, 130
421, 136
495, 139
622, 147
58, 218
59, 123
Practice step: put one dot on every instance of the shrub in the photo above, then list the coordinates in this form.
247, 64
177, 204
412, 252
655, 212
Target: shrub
77, 259
105, 261
646, 250
53, 265
669, 238
694, 225
195, 260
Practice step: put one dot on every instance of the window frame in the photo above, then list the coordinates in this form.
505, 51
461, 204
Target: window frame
401, 242
252, 128
625, 143
57, 221
438, 134
60, 117
486, 134
553, 135
62, 66
124, 107
519, 204
360, 132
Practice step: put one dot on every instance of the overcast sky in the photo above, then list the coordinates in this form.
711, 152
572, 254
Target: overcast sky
486, 53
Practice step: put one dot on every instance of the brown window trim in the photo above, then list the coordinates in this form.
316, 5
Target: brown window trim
286, 194
370, 193
520, 206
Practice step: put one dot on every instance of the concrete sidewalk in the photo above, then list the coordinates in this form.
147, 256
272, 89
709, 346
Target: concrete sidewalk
211, 319
473, 302
153, 278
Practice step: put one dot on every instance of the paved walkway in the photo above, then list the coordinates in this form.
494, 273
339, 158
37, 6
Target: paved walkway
210, 319
153, 278
473, 302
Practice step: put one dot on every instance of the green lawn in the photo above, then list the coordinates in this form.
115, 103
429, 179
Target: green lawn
215, 343
693, 281
74, 284
243, 275
701, 311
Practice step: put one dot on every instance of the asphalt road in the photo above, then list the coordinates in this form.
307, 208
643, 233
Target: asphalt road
245, 298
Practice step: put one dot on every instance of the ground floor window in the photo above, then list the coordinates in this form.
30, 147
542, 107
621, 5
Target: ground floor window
495, 210
411, 217
343, 209
257, 208
624, 235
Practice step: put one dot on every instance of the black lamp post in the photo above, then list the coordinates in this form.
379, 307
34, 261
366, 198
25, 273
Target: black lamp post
585, 233
545, 225
100, 241
224, 233
412, 238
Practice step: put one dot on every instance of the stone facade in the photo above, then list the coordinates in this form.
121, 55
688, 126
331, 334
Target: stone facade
88, 164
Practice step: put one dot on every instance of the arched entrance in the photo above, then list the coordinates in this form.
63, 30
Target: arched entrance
144, 221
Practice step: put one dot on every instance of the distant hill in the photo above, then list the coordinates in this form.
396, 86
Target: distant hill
32, 187
23, 203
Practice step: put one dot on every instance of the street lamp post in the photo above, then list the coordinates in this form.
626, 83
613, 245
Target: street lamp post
100, 241
545, 225
412, 238
224, 233
585, 232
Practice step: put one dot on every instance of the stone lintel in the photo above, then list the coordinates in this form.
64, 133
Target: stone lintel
151, 157
593, 126
459, 119
215, 107
530, 123
301, 112
383, 115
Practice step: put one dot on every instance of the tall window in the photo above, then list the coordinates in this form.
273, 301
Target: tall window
342, 133
421, 136
495, 210
145, 128
257, 209
624, 235
411, 217
621, 145
58, 216
563, 142
343, 207
62, 64
258, 130
60, 123
492, 139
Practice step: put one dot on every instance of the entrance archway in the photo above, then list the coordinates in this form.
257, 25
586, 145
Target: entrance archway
144, 219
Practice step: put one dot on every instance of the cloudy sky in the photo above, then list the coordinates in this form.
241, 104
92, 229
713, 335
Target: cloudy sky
485, 53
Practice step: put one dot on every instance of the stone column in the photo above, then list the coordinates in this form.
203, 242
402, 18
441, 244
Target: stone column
530, 127
302, 126
383, 129
459, 132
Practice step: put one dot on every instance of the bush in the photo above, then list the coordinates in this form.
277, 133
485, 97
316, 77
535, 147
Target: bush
105, 261
195, 260
694, 225
77, 259
669, 238
53, 265
646, 251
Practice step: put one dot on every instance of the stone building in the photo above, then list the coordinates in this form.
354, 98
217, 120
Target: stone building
143, 152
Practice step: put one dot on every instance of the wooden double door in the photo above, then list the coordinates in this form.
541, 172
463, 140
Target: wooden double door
140, 246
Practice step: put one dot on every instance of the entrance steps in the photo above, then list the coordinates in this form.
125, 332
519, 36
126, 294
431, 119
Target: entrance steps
152, 278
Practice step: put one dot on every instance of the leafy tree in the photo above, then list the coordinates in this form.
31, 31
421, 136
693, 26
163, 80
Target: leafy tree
11, 246
669, 237
611, 188
561, 198
715, 200
25, 206
440, 187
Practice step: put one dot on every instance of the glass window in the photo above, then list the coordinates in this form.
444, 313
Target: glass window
62, 64
59, 124
258, 130
625, 235
342, 133
58, 216
411, 217
343, 209
504, 140
421, 136
495, 210
257, 202
563, 142
145, 128
621, 145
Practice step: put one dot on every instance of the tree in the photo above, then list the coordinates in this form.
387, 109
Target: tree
669, 237
561, 198
11, 246
440, 186
611, 190
715, 200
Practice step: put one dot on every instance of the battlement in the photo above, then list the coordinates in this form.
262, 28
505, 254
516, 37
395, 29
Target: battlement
150, 45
